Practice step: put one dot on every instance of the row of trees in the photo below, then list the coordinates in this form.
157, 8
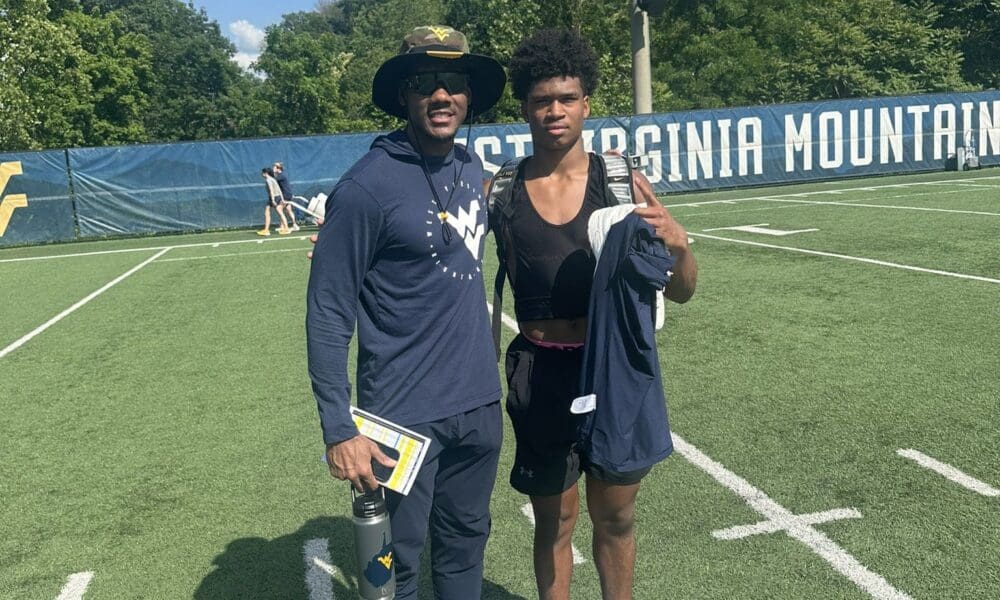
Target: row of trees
100, 72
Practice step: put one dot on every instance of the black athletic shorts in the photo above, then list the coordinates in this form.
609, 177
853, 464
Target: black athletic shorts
541, 385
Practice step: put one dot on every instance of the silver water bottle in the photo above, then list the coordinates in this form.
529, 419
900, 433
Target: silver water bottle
373, 545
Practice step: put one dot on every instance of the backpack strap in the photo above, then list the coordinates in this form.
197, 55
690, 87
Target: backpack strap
499, 210
618, 176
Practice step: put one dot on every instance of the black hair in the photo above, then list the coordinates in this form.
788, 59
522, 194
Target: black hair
268, 171
552, 53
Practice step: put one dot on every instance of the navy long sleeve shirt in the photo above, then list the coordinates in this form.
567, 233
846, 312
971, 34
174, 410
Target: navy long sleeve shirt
382, 266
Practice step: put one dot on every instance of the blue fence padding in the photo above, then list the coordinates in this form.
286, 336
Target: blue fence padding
198, 185
209, 185
48, 216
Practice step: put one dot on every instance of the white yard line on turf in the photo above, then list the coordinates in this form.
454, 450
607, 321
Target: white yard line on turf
78, 254
166, 260
508, 321
798, 527
763, 527
76, 586
151, 248
890, 206
973, 185
949, 472
69, 310
316, 553
867, 188
871, 261
810, 203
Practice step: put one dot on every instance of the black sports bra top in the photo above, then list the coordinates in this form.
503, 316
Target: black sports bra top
553, 265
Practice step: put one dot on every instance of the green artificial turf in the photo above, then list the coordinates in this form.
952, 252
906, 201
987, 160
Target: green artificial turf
163, 435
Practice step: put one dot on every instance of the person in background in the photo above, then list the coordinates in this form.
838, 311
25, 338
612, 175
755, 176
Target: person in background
286, 192
275, 201
400, 261
543, 241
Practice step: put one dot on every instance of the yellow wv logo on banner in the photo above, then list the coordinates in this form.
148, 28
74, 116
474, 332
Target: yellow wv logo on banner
11, 201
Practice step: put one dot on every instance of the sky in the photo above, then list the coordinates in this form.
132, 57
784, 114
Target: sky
244, 21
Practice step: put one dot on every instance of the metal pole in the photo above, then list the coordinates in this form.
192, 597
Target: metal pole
642, 87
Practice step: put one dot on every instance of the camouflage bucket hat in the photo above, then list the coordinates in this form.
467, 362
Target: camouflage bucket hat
434, 44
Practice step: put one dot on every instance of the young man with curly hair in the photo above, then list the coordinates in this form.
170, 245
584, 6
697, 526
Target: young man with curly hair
544, 243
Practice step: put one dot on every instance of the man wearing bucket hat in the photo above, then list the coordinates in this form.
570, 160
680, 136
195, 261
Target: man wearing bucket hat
400, 261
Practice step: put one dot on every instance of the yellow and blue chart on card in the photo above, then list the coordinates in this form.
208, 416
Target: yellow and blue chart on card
408, 448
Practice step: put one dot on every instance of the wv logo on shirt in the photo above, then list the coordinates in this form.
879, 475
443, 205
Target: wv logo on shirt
448, 256
11, 201
468, 226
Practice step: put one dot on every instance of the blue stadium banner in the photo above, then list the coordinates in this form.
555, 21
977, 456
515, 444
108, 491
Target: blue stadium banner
193, 186
819, 140
198, 185
767, 145
35, 203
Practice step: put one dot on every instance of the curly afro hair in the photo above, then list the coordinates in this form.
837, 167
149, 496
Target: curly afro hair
552, 53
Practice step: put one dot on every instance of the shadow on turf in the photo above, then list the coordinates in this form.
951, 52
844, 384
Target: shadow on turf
252, 568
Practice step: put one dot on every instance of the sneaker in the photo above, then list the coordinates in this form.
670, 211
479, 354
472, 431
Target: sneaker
295, 227
284, 231
264, 232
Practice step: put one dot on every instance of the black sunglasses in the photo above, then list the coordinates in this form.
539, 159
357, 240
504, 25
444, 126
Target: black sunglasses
426, 83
